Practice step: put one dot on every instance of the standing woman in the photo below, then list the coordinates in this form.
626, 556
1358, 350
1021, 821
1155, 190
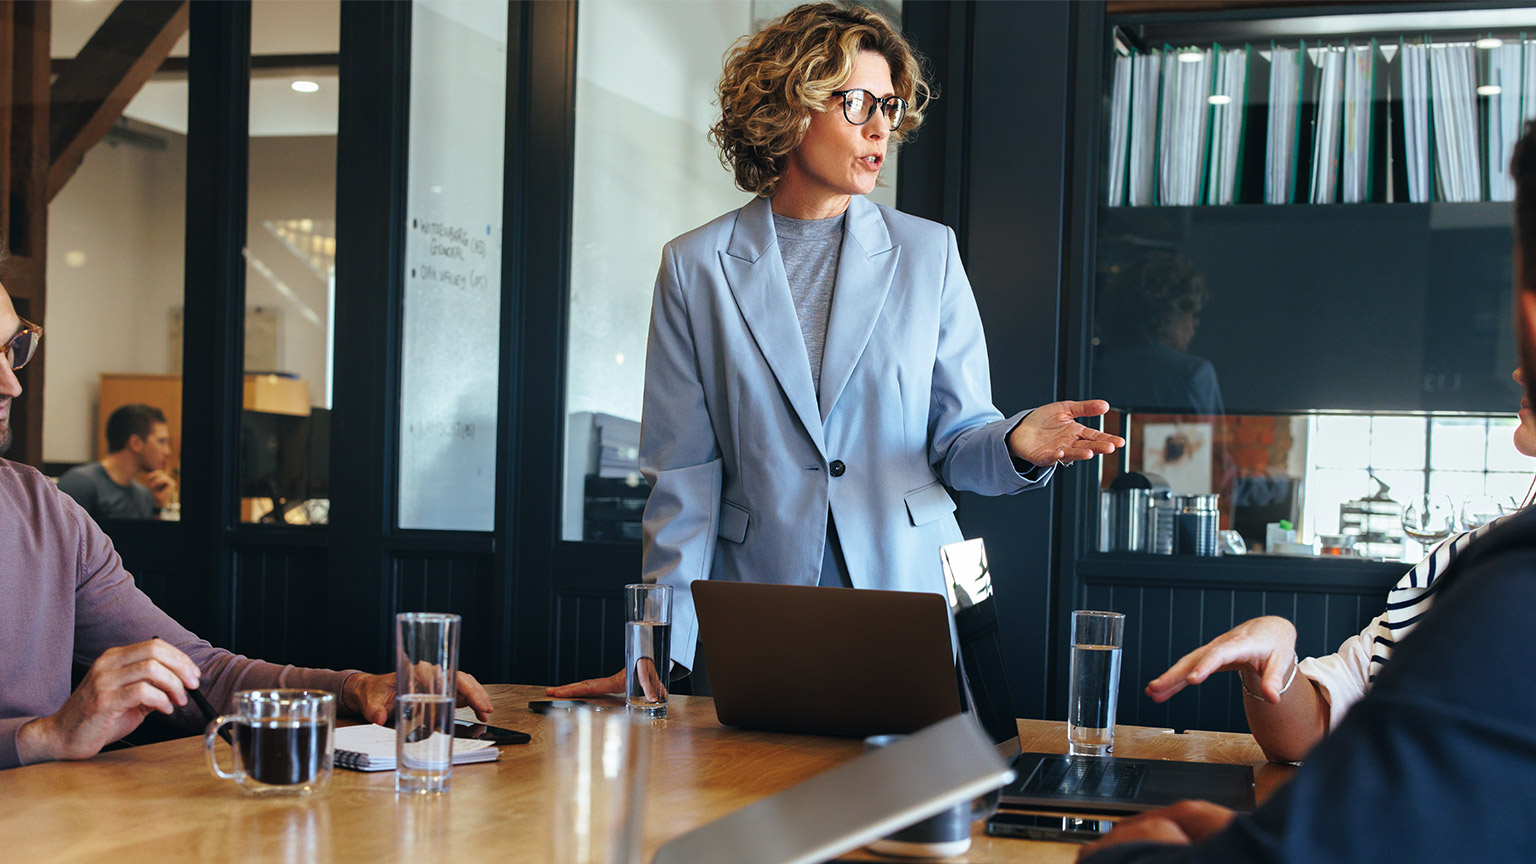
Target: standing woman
816, 373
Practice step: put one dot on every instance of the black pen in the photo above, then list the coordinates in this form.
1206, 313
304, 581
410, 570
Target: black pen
203, 705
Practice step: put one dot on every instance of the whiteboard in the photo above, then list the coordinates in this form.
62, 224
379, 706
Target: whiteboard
450, 336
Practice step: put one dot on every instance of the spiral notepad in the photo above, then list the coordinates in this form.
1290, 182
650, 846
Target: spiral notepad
372, 748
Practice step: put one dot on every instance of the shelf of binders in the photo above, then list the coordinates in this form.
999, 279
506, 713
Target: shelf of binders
1418, 119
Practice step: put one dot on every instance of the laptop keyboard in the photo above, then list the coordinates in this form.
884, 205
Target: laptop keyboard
1084, 778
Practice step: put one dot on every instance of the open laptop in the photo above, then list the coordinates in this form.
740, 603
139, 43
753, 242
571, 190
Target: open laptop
1048, 780
826, 661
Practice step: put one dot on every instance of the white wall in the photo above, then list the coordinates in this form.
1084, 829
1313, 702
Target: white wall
123, 210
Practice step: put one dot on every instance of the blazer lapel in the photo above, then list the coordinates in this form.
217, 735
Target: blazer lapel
864, 273
755, 271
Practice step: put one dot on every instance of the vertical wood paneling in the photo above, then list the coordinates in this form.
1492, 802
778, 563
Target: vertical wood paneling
1311, 622
588, 635
1164, 623
1214, 697
278, 612
1185, 620
461, 585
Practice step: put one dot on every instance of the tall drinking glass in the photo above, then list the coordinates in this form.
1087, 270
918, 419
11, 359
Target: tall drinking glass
1095, 682
596, 785
647, 647
426, 673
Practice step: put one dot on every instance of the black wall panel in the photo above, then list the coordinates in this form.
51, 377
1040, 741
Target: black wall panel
277, 607
589, 634
460, 585
155, 554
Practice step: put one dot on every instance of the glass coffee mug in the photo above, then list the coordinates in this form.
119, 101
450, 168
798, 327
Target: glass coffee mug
282, 741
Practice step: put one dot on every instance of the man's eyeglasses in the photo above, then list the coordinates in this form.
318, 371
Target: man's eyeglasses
23, 346
859, 107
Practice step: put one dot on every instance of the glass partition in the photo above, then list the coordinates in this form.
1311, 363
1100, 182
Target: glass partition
451, 343
114, 276
289, 256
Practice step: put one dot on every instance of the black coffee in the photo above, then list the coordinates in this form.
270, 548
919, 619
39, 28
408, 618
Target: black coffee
282, 753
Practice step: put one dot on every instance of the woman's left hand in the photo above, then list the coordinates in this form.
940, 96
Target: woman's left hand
1051, 435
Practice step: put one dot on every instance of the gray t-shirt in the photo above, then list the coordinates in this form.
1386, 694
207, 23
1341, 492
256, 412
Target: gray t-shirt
810, 249
101, 496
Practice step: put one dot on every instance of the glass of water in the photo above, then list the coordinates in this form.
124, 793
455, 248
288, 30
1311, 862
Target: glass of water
426, 678
647, 647
1095, 682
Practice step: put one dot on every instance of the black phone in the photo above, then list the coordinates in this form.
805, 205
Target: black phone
1067, 829
544, 706
484, 732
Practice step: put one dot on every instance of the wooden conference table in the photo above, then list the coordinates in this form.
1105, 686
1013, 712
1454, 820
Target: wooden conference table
160, 803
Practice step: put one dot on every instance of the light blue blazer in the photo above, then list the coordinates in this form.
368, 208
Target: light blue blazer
745, 461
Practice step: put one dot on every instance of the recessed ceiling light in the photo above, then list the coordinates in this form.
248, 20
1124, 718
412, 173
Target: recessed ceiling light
1489, 42
74, 258
1489, 90
305, 86
1219, 99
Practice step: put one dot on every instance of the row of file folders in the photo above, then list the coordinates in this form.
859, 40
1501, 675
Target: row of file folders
1320, 125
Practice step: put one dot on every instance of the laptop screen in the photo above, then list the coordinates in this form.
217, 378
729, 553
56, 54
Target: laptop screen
981, 651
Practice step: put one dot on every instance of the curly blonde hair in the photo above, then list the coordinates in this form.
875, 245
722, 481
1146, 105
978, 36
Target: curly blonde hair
774, 79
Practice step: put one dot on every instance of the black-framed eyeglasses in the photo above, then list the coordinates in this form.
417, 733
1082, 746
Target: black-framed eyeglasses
23, 346
859, 107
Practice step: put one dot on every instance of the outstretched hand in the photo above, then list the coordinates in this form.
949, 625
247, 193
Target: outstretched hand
1265, 646
591, 687
1051, 434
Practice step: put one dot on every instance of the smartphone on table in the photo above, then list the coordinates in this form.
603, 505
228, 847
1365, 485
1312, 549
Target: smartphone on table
485, 732
1032, 826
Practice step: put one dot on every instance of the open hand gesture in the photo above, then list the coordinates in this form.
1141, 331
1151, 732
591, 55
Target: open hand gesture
1051, 435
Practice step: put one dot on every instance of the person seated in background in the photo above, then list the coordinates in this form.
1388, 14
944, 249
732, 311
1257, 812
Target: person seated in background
1291, 703
67, 596
138, 442
1438, 761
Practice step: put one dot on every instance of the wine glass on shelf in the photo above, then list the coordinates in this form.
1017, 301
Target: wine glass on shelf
1429, 519
1478, 510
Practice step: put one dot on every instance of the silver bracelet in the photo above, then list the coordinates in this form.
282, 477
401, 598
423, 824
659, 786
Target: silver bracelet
1295, 664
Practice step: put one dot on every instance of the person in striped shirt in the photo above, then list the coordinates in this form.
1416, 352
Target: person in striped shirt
1288, 720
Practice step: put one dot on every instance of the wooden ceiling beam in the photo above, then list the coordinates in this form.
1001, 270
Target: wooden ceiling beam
91, 92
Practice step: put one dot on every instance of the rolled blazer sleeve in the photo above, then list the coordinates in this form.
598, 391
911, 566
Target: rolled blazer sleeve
679, 458
967, 435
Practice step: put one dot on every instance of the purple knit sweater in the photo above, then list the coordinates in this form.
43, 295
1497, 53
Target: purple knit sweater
64, 595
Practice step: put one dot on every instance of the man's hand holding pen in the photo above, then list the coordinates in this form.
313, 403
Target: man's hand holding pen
123, 687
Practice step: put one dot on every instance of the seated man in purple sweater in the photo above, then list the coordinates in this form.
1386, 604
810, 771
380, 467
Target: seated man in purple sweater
67, 596
1438, 761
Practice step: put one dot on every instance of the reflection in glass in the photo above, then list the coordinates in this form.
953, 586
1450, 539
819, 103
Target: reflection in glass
1319, 473
1146, 318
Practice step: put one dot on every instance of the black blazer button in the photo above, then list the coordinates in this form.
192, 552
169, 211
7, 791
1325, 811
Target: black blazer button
837, 468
